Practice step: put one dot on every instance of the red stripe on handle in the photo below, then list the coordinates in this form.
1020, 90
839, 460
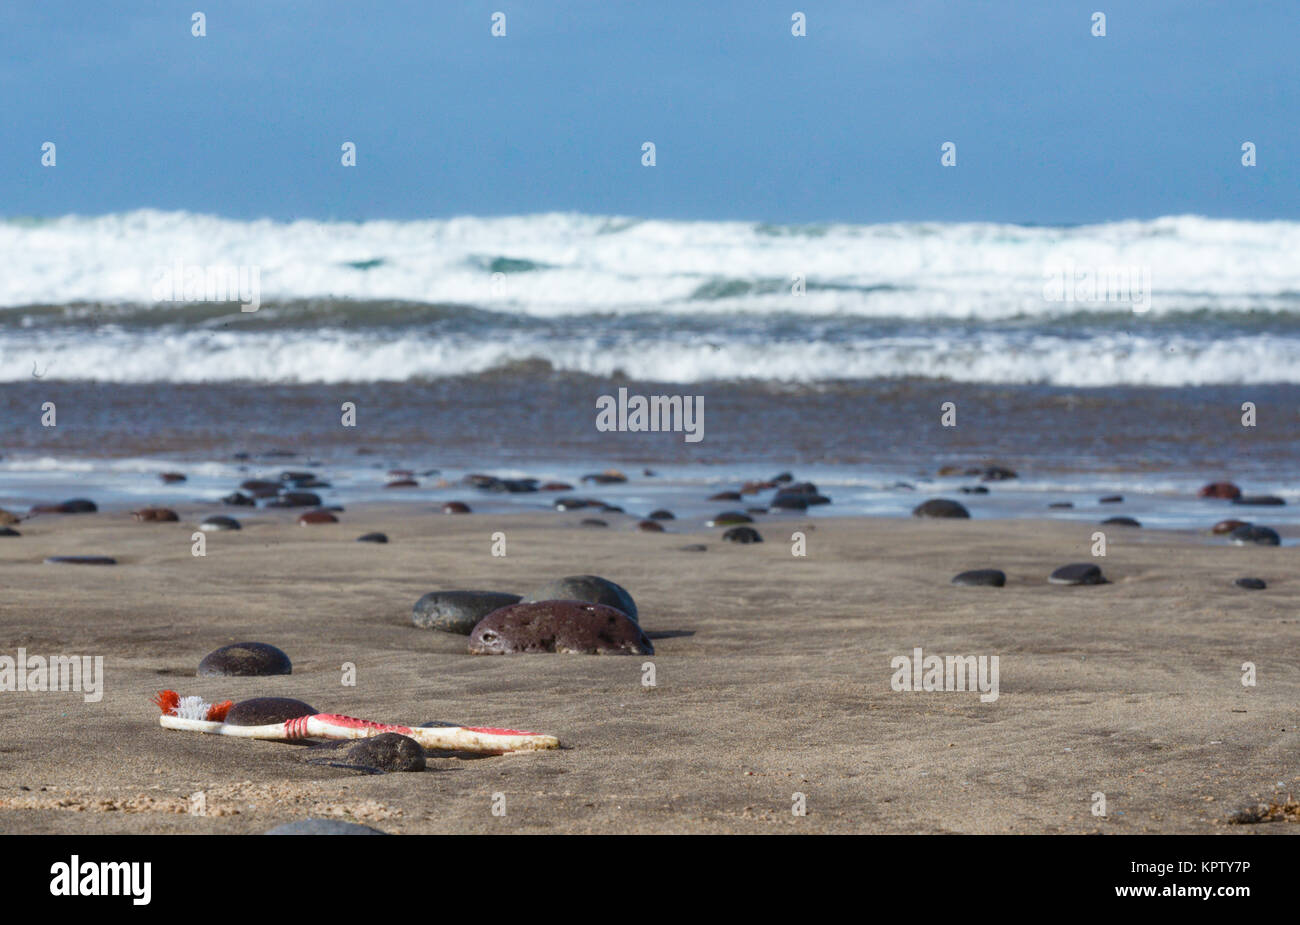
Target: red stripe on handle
351, 722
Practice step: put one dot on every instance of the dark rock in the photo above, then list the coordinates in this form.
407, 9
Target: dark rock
783, 477
260, 487
9, 531
611, 477
1111, 499
753, 488
80, 560
1227, 526
1078, 573
799, 488
742, 535
556, 486
458, 611
940, 507
155, 515
293, 476
245, 659
790, 502
574, 504
388, 751
593, 522
238, 499
661, 514
1257, 536
455, 507
316, 517
974, 490
982, 577
75, 506
1219, 490
997, 474
373, 538
611, 509
559, 626
1061, 505
650, 526
1259, 500
588, 588
219, 522
730, 518
403, 483
725, 496
694, 547
1251, 584
1120, 522
295, 499
171, 477
263, 711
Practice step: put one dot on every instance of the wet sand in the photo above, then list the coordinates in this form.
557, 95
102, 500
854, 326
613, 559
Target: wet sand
773, 677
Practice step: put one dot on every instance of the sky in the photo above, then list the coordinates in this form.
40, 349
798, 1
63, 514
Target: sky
1051, 124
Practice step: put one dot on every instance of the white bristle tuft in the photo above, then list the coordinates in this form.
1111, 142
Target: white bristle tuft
193, 708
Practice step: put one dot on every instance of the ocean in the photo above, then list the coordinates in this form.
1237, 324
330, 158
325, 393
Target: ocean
1091, 359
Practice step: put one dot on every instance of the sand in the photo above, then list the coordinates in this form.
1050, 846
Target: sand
773, 678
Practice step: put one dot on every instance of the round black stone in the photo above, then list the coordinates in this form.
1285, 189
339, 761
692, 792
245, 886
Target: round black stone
1078, 573
388, 751
981, 577
458, 611
263, 711
245, 659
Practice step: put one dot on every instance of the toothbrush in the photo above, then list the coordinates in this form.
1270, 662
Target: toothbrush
193, 714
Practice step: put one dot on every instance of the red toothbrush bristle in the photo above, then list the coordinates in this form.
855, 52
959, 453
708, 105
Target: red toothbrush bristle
217, 712
167, 701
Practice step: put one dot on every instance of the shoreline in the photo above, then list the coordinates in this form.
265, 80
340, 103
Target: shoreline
773, 677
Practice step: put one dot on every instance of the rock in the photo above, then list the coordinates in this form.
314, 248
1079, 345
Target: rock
956, 470
290, 475
730, 518
611, 509
1251, 584
555, 486
940, 507
517, 486
260, 488
403, 483
981, 577
75, 506
9, 531
997, 474
388, 751
799, 488
80, 560
458, 611
316, 517
783, 477
1078, 573
724, 496
238, 499
593, 522
484, 482
245, 659
558, 626
587, 588
974, 490
263, 711
1061, 505
295, 499
753, 488
1219, 490
742, 535
608, 477
574, 504
155, 515
661, 514
373, 538
455, 507
1227, 526
1111, 499
650, 526
323, 827
693, 547
1259, 500
1120, 522
8, 517
1257, 536
790, 502
219, 522
171, 477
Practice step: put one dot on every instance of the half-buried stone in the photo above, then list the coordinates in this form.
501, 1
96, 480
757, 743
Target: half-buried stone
458, 611
1251, 584
1259, 500
263, 711
155, 515
388, 751
316, 517
1251, 535
742, 535
455, 507
940, 507
1120, 522
573, 627
1078, 573
80, 560
74, 506
981, 577
372, 538
1227, 526
650, 526
219, 522
245, 659
590, 588
730, 518
9, 531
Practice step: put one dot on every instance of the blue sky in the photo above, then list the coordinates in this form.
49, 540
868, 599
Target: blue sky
1051, 124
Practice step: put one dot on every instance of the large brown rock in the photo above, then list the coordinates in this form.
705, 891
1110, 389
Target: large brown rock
558, 626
